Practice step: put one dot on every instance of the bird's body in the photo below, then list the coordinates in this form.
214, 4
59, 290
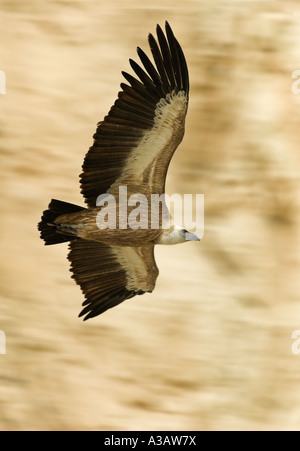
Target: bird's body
111, 241
83, 224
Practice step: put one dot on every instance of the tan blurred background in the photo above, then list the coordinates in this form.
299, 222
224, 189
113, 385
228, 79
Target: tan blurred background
211, 348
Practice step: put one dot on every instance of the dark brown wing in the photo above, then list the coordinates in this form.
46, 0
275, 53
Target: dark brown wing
145, 125
108, 275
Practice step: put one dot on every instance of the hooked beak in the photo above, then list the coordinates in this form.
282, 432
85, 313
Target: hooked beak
191, 237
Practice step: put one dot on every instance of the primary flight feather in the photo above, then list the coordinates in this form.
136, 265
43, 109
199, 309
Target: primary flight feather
132, 148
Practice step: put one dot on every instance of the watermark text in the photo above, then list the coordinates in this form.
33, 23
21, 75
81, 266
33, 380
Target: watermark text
296, 83
2, 342
156, 211
2, 82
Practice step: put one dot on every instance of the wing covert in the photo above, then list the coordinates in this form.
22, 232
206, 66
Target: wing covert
144, 126
108, 275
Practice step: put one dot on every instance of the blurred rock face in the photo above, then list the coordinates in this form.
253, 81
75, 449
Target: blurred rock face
211, 348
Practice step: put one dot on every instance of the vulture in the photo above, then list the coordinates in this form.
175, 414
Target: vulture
111, 253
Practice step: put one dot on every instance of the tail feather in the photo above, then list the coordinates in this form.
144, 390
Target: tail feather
49, 232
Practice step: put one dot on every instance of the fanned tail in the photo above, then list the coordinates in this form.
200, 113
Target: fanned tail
49, 231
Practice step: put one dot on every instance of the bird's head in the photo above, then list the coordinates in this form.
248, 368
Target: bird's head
189, 236
177, 235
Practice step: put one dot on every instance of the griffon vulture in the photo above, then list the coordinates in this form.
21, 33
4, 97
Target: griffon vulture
132, 148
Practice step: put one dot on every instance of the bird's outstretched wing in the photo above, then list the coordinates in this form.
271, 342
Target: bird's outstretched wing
135, 142
109, 275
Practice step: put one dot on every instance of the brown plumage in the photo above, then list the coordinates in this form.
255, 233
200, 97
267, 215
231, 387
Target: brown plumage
132, 147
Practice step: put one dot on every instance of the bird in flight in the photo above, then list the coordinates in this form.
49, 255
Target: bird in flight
132, 149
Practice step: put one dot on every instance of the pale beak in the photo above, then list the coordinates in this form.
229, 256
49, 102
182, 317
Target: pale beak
191, 237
